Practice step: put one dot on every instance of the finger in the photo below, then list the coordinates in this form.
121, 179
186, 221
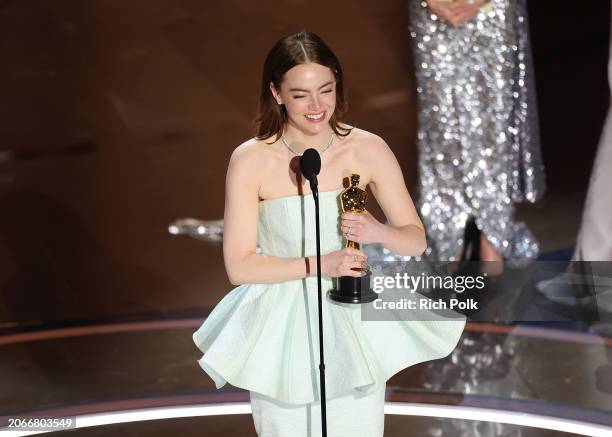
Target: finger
453, 22
354, 237
351, 229
356, 265
453, 9
463, 16
466, 16
360, 271
344, 270
458, 21
356, 252
353, 257
352, 251
351, 218
445, 11
459, 7
444, 15
354, 273
347, 222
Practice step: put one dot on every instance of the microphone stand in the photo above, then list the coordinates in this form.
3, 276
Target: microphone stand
315, 194
310, 165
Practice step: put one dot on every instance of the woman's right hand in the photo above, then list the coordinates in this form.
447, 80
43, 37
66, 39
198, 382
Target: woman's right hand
340, 263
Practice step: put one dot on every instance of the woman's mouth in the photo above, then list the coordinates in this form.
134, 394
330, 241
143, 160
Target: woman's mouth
315, 117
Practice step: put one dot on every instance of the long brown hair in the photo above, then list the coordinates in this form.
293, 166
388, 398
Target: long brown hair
289, 51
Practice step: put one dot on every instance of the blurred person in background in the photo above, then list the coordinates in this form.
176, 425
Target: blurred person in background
590, 286
478, 135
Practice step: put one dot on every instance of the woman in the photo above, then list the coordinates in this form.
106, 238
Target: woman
478, 138
263, 335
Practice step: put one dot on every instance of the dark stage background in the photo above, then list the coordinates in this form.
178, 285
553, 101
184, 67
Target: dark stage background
118, 117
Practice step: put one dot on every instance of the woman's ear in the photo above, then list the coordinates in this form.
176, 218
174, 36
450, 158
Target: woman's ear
275, 94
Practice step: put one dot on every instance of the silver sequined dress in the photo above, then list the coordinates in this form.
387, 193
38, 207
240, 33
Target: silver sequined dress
478, 137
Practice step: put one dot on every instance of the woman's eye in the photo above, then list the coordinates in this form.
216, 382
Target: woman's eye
327, 91
298, 97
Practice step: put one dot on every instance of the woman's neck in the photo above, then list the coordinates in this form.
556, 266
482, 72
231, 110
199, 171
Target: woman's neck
301, 141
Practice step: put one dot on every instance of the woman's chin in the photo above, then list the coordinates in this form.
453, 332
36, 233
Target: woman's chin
310, 128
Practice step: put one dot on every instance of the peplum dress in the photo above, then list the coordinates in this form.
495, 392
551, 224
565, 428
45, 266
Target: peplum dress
264, 338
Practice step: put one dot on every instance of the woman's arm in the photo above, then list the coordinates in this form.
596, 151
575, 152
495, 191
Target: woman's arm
404, 234
242, 263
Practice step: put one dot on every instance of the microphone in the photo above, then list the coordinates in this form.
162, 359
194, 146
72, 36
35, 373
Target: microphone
310, 165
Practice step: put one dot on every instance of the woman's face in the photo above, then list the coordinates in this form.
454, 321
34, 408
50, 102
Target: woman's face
308, 92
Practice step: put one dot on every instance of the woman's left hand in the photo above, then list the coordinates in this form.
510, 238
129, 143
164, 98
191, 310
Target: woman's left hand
361, 227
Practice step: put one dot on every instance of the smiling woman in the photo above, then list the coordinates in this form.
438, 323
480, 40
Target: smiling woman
314, 103
263, 335
305, 83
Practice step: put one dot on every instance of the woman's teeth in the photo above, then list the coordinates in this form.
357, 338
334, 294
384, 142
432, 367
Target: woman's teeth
315, 117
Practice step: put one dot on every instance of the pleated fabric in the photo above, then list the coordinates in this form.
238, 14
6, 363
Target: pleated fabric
264, 337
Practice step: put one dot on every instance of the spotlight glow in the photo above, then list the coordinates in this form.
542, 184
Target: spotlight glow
393, 408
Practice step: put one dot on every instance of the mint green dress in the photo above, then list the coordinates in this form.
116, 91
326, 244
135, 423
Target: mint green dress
264, 337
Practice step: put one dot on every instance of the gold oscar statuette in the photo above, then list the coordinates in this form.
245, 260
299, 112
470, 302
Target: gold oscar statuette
349, 289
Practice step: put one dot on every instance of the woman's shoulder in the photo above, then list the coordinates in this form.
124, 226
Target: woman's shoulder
251, 160
254, 149
363, 141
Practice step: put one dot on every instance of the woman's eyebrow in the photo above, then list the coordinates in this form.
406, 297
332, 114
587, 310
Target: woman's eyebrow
324, 85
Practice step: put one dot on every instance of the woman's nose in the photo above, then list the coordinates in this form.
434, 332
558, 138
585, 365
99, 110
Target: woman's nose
315, 103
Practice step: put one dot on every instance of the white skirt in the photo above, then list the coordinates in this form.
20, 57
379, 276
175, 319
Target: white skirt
356, 414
